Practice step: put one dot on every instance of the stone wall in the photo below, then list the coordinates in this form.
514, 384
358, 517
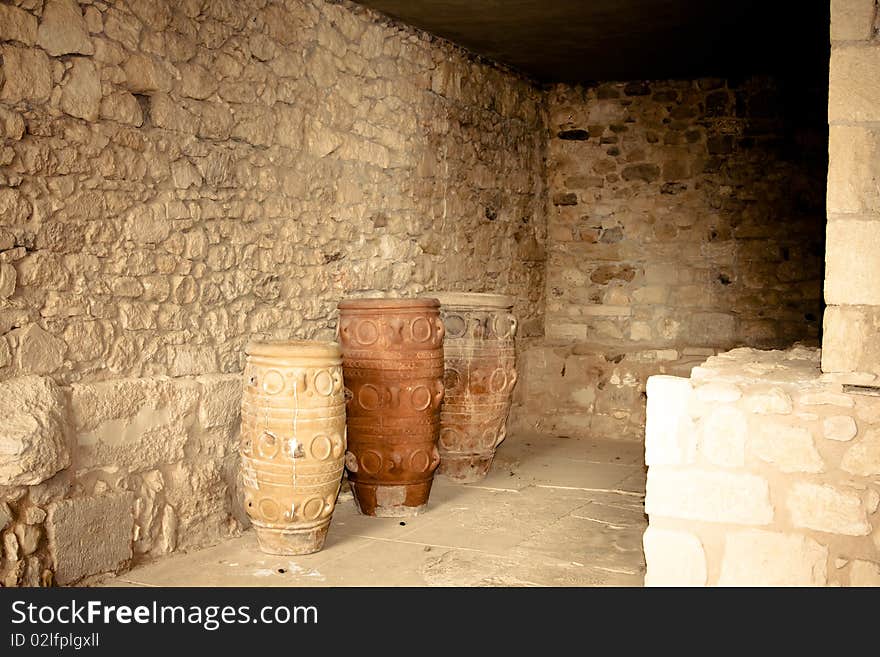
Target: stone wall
852, 282
762, 472
686, 218
179, 177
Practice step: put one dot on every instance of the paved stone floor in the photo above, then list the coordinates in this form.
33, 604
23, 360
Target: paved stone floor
553, 512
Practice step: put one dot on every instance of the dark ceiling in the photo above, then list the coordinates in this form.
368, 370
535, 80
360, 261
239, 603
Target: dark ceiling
587, 40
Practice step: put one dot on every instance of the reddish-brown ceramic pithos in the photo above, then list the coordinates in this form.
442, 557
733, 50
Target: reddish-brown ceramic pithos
392, 362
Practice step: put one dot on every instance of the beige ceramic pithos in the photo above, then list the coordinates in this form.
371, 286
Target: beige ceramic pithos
480, 374
292, 442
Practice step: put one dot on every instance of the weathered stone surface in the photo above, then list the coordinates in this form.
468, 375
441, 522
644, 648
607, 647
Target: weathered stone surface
122, 107
81, 93
673, 558
853, 170
145, 74
718, 392
767, 402
827, 508
789, 447
17, 25
722, 437
864, 573
839, 427
848, 343
63, 29
5, 515
713, 496
33, 446
28, 74
854, 88
220, 400
28, 538
863, 458
668, 430
8, 275
40, 352
850, 280
762, 558
852, 20
90, 535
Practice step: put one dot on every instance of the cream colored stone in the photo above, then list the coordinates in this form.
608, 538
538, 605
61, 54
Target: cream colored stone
33, 445
40, 352
221, 400
864, 573
81, 93
850, 280
853, 170
17, 25
28, 74
763, 558
63, 29
145, 74
854, 88
123, 108
28, 538
709, 495
766, 402
718, 392
826, 508
839, 427
788, 447
668, 431
673, 558
848, 343
722, 437
863, 458
852, 20
7, 280
826, 399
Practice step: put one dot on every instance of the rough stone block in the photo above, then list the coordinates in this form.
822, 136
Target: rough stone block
673, 558
863, 458
851, 20
63, 29
864, 573
722, 437
774, 401
853, 170
718, 392
854, 88
669, 432
81, 93
827, 508
849, 342
713, 496
33, 446
839, 427
28, 74
221, 400
790, 448
17, 25
761, 558
90, 535
851, 280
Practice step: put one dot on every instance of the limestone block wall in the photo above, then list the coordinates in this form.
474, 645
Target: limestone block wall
852, 282
762, 471
179, 177
686, 218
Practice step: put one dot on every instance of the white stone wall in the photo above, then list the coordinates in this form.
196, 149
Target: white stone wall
761, 472
177, 178
852, 274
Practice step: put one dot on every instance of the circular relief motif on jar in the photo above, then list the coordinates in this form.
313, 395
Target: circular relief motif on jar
269, 509
498, 380
329, 502
421, 329
351, 462
369, 397
504, 325
246, 446
420, 398
420, 461
366, 332
338, 443
371, 462
448, 438
455, 325
324, 383
313, 508
321, 447
273, 382
451, 378
489, 437
268, 445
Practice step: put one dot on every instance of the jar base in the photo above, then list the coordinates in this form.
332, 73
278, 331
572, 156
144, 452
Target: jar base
291, 542
391, 501
465, 468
